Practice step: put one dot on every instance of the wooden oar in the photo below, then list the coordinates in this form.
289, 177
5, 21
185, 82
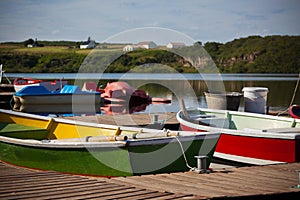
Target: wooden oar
93, 139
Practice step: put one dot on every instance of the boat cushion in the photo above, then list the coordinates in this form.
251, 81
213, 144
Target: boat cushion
22, 131
33, 90
70, 89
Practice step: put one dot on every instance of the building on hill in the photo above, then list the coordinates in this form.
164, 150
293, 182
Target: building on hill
130, 47
89, 44
32, 43
140, 45
173, 45
147, 45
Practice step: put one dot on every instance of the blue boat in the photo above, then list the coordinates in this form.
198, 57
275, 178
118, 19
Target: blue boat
69, 99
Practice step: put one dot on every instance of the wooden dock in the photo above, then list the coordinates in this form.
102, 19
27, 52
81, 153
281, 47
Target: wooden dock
158, 120
255, 182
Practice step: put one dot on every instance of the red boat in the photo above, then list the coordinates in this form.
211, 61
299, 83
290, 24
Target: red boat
294, 111
247, 137
20, 83
123, 91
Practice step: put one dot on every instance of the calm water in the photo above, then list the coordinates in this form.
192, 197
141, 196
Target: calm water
173, 86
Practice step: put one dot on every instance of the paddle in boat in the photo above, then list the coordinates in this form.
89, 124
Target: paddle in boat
247, 137
75, 147
20, 83
37, 99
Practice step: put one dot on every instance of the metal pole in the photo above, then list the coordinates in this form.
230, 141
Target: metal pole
202, 164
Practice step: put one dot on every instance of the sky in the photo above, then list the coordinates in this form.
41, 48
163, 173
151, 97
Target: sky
201, 20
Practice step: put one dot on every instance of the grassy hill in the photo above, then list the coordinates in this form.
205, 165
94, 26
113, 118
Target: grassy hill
254, 54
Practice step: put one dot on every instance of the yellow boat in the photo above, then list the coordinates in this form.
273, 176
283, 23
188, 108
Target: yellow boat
76, 147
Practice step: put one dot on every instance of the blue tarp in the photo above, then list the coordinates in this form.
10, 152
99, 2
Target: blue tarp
41, 90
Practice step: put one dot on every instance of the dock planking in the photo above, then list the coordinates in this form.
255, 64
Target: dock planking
252, 182
272, 181
22, 183
157, 120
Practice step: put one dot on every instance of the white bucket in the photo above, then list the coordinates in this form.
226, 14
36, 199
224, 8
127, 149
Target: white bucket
255, 99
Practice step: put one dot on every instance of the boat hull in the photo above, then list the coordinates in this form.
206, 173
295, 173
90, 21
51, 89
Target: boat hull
253, 146
57, 99
74, 147
123, 159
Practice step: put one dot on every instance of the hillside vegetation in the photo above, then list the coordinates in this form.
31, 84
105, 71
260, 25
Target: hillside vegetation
254, 54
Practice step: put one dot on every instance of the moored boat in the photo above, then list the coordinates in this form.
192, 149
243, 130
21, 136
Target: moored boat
20, 83
96, 149
123, 91
70, 98
247, 137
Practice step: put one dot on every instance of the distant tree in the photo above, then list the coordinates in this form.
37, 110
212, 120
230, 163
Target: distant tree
29, 41
198, 43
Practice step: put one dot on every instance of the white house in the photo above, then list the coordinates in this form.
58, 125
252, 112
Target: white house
140, 45
89, 44
130, 47
173, 45
147, 45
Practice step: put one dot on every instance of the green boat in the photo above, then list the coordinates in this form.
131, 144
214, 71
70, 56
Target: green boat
75, 147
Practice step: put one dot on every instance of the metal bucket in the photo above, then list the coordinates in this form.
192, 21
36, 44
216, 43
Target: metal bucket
223, 101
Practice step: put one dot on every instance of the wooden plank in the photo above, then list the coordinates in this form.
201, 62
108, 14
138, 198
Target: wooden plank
259, 181
152, 195
65, 192
210, 185
44, 185
129, 119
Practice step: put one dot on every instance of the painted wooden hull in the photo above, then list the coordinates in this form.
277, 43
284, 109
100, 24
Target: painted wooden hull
57, 99
248, 137
86, 148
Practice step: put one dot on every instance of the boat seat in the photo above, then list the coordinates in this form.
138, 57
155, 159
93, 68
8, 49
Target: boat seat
70, 89
89, 86
282, 130
199, 117
217, 122
22, 131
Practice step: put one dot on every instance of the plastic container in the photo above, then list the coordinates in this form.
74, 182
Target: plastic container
255, 99
223, 101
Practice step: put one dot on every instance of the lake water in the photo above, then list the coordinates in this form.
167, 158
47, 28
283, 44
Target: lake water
188, 86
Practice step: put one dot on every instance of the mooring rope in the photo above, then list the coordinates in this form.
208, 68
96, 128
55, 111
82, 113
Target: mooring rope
293, 98
183, 153
296, 88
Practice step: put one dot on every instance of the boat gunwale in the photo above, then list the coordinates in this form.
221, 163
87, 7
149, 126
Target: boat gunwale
97, 125
106, 144
159, 136
49, 144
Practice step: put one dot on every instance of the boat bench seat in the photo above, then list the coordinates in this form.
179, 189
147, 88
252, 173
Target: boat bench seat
22, 131
282, 130
217, 122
